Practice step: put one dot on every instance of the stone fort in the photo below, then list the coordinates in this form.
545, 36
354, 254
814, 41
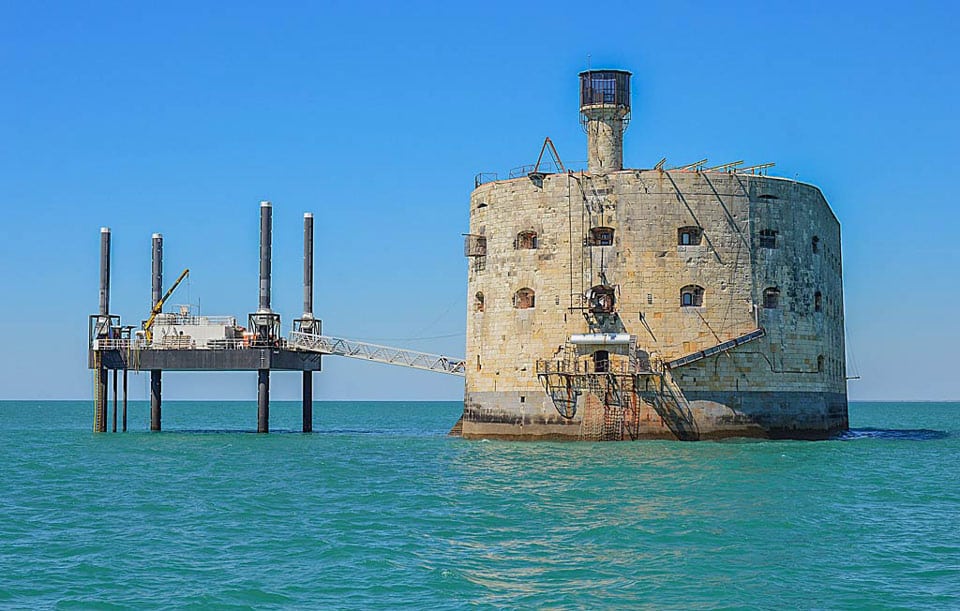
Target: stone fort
681, 303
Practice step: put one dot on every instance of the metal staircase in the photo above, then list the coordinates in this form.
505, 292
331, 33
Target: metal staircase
323, 344
672, 406
724, 347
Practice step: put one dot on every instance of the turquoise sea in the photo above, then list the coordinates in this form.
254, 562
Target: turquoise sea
379, 509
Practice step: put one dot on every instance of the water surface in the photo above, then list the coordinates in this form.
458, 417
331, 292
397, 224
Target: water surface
378, 508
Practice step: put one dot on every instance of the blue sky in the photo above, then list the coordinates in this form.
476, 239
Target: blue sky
180, 117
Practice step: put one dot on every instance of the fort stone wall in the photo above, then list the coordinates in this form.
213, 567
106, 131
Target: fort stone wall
693, 259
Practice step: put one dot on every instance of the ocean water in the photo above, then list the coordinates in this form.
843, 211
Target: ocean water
379, 509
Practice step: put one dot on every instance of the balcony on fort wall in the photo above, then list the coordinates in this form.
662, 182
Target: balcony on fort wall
638, 364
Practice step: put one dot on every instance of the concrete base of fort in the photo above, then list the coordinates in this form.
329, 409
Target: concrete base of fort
705, 415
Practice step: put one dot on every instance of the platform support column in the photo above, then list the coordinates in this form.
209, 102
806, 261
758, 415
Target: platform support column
155, 395
124, 400
100, 418
308, 322
263, 400
103, 331
114, 400
307, 401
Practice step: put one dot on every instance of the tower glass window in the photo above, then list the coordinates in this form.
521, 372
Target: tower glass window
815, 244
817, 302
691, 296
524, 299
601, 236
605, 87
689, 236
768, 238
478, 302
771, 298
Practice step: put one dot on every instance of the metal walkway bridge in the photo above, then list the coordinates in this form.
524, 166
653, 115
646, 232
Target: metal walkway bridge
324, 344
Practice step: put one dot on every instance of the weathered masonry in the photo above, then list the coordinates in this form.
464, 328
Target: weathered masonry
683, 303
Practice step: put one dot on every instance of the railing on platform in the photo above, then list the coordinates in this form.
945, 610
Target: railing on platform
172, 318
372, 352
589, 367
140, 343
484, 177
118, 344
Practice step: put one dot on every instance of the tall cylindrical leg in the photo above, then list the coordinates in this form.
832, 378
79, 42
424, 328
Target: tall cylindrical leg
307, 401
100, 417
263, 400
155, 387
103, 331
124, 400
307, 264
104, 271
266, 243
114, 400
157, 269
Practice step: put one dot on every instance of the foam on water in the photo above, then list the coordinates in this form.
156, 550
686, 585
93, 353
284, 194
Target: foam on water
901, 434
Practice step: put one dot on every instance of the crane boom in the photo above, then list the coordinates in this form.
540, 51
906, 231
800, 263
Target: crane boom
549, 148
158, 307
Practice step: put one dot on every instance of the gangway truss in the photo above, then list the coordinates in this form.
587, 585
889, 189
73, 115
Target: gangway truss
323, 344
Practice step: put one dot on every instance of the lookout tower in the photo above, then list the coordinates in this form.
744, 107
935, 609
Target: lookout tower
604, 115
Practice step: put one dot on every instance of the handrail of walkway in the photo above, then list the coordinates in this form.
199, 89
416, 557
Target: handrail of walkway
372, 352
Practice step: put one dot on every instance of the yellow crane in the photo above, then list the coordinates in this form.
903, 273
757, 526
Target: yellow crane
158, 307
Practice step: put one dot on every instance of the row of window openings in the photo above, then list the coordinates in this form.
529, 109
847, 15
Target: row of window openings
690, 296
523, 299
599, 236
686, 236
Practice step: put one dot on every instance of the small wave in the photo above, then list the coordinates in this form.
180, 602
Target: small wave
893, 434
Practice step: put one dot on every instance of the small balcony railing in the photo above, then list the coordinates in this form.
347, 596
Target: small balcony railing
633, 366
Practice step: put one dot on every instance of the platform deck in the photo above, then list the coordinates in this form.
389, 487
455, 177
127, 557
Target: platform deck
248, 359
